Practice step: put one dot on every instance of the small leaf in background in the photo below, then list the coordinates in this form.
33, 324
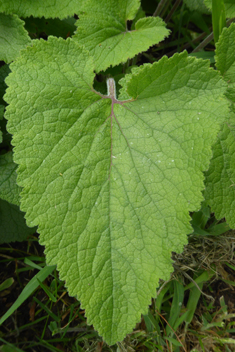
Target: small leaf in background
4, 71
220, 178
225, 60
1, 117
47, 8
13, 37
6, 284
9, 347
205, 55
104, 31
9, 190
111, 182
174, 341
12, 223
197, 5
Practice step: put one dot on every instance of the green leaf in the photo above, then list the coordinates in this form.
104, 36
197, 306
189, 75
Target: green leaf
174, 341
9, 347
225, 60
6, 284
205, 55
4, 71
229, 7
220, 178
46, 8
9, 190
2, 108
13, 37
110, 182
197, 5
103, 31
12, 223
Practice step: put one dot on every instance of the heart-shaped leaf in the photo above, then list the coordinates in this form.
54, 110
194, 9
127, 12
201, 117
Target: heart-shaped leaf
111, 182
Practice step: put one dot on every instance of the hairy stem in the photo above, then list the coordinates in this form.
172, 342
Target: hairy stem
111, 87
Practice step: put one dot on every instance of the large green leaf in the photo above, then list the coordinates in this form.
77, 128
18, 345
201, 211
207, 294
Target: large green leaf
13, 37
111, 182
220, 178
103, 31
46, 8
229, 7
9, 190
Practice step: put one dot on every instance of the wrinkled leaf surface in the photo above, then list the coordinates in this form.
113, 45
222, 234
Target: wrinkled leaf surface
111, 183
104, 31
13, 37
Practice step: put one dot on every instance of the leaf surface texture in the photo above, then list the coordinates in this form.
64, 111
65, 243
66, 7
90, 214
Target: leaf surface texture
42, 8
13, 37
103, 31
111, 183
9, 190
220, 178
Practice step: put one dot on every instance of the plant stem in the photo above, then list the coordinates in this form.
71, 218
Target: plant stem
204, 43
176, 4
164, 10
208, 39
159, 8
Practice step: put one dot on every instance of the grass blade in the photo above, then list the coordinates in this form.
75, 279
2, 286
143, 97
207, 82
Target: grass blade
192, 303
218, 18
49, 312
47, 291
6, 284
28, 290
176, 306
8, 347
